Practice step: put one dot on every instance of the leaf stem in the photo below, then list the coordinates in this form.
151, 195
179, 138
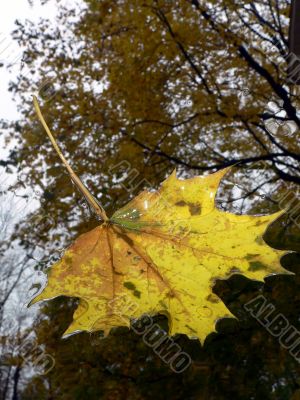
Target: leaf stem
86, 193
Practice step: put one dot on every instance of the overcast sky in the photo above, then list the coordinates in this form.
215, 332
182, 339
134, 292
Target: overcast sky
21, 10
9, 51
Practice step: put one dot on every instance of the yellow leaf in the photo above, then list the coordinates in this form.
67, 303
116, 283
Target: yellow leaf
162, 253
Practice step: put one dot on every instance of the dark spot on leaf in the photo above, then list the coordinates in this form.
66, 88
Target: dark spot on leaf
212, 299
137, 294
181, 203
256, 266
129, 285
250, 256
195, 209
260, 223
259, 240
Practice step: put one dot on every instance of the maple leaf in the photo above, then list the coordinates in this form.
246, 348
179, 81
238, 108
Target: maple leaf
162, 252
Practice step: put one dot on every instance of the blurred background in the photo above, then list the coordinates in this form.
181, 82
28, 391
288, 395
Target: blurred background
133, 90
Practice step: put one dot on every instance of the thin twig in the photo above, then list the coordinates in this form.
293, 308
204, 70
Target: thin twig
86, 193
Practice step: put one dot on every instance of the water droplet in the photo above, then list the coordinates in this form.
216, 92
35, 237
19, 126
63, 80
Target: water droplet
206, 312
136, 260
